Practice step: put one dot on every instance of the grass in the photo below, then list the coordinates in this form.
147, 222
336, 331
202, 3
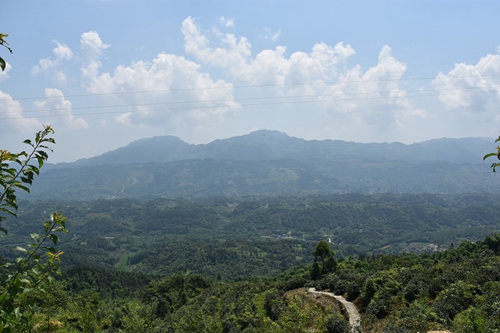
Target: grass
123, 262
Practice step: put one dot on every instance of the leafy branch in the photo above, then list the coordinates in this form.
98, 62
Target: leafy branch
12, 178
16, 305
497, 154
4, 43
20, 280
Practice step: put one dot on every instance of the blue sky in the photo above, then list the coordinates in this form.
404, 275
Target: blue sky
105, 73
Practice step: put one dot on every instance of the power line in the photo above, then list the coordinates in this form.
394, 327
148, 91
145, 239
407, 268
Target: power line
469, 91
244, 86
222, 106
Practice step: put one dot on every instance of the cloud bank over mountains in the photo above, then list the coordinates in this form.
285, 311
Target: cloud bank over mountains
221, 77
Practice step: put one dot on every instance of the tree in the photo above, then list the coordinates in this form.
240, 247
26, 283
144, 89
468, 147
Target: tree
315, 271
325, 254
497, 154
31, 274
336, 323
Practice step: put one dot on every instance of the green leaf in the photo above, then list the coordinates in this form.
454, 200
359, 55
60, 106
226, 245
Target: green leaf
23, 153
42, 154
54, 238
11, 171
51, 140
24, 280
14, 289
35, 236
489, 155
22, 249
49, 249
35, 169
2, 64
27, 180
8, 211
22, 187
40, 161
7, 306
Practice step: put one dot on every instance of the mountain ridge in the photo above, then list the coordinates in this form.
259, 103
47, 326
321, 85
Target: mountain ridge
272, 144
274, 164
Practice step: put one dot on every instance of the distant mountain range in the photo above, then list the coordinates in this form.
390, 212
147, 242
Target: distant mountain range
272, 163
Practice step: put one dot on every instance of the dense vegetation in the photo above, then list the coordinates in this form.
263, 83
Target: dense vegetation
243, 264
270, 163
32, 272
457, 289
166, 265
235, 239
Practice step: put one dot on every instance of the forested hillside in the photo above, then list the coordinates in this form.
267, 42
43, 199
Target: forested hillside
240, 238
270, 163
457, 289
250, 166
410, 262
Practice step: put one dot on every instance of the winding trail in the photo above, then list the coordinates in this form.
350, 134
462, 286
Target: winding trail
354, 317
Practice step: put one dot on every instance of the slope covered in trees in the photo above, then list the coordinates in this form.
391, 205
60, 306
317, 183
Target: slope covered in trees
235, 264
271, 163
235, 239
456, 290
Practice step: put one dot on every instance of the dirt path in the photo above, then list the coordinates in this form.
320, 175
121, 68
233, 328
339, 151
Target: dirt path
354, 317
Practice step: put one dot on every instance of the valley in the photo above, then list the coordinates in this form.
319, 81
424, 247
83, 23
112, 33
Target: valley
227, 238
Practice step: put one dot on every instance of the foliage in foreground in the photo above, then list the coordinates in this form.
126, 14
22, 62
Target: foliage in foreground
494, 166
4, 43
30, 275
457, 290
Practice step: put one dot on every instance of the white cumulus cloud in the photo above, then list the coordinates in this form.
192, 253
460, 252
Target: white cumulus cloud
60, 108
269, 34
172, 90
471, 88
61, 52
268, 66
374, 96
228, 23
92, 47
4, 75
12, 118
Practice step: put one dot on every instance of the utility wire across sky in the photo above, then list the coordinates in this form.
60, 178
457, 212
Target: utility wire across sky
230, 86
222, 105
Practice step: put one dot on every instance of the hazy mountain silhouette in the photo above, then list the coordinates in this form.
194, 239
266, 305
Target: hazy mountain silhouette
272, 163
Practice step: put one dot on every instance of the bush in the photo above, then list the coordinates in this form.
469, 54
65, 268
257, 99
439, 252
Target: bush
455, 299
336, 323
